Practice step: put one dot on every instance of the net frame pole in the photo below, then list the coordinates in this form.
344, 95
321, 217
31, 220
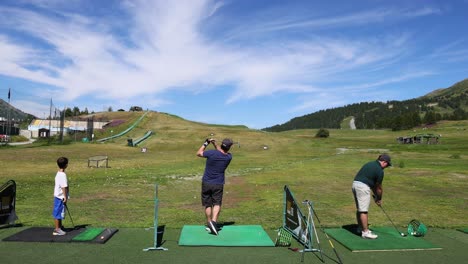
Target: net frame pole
311, 227
155, 223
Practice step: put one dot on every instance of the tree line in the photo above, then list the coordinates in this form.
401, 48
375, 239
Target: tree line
395, 115
69, 112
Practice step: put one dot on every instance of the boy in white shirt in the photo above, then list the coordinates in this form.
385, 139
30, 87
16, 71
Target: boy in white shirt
60, 196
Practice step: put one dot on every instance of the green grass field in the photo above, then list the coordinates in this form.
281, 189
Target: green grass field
427, 182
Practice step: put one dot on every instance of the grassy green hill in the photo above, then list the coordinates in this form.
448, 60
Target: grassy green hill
427, 182
453, 91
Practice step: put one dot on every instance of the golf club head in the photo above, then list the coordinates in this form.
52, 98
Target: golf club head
401, 233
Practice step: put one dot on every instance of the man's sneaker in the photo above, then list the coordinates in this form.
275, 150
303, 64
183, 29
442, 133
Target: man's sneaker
59, 232
209, 230
213, 227
369, 235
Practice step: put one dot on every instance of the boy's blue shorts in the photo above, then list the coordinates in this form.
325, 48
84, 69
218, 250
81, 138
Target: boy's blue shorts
59, 209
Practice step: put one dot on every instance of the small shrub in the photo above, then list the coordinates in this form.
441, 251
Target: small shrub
323, 133
401, 164
18, 138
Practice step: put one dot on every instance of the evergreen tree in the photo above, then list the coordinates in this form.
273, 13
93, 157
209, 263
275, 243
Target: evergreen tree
459, 114
429, 118
416, 119
397, 123
76, 111
68, 112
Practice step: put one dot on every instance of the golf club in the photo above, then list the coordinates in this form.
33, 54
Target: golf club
329, 240
71, 219
401, 233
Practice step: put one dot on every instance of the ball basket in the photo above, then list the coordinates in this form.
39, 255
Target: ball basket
416, 228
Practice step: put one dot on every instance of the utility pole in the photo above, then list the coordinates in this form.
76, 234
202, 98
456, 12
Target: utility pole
8, 132
50, 119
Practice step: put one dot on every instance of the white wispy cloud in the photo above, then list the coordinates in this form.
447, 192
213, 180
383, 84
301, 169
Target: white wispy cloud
353, 20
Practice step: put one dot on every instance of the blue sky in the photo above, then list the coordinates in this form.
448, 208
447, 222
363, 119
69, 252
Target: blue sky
236, 62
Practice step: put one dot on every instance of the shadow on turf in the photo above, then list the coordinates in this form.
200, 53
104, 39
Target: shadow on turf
160, 234
352, 228
221, 225
317, 255
13, 225
68, 229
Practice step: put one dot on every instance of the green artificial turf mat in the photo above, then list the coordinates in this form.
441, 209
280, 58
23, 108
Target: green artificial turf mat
229, 236
389, 240
464, 230
88, 234
78, 234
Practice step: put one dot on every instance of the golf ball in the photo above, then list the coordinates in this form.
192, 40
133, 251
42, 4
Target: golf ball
102, 237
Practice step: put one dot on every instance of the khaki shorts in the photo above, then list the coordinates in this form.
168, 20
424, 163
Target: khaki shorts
362, 196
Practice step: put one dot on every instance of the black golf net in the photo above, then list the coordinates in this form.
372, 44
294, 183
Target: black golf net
7, 203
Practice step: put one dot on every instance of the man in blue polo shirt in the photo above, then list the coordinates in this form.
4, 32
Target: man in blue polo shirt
217, 161
369, 178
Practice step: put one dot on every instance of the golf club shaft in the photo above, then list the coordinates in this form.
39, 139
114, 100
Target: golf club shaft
71, 219
390, 220
329, 240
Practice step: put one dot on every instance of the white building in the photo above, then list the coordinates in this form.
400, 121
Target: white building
54, 126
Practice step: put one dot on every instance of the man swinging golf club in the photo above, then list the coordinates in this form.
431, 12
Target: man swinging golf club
217, 161
369, 177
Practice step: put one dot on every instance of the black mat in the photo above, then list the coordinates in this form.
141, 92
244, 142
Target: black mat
44, 234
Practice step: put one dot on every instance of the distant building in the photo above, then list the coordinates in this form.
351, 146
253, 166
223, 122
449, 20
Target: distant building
8, 127
40, 127
136, 108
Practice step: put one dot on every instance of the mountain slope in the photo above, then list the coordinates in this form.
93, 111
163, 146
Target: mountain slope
453, 91
9, 111
449, 103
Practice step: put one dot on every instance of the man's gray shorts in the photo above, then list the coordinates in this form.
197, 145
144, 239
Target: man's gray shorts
362, 196
212, 194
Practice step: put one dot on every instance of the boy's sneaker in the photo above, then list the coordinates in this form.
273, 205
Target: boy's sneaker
369, 235
213, 227
59, 232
